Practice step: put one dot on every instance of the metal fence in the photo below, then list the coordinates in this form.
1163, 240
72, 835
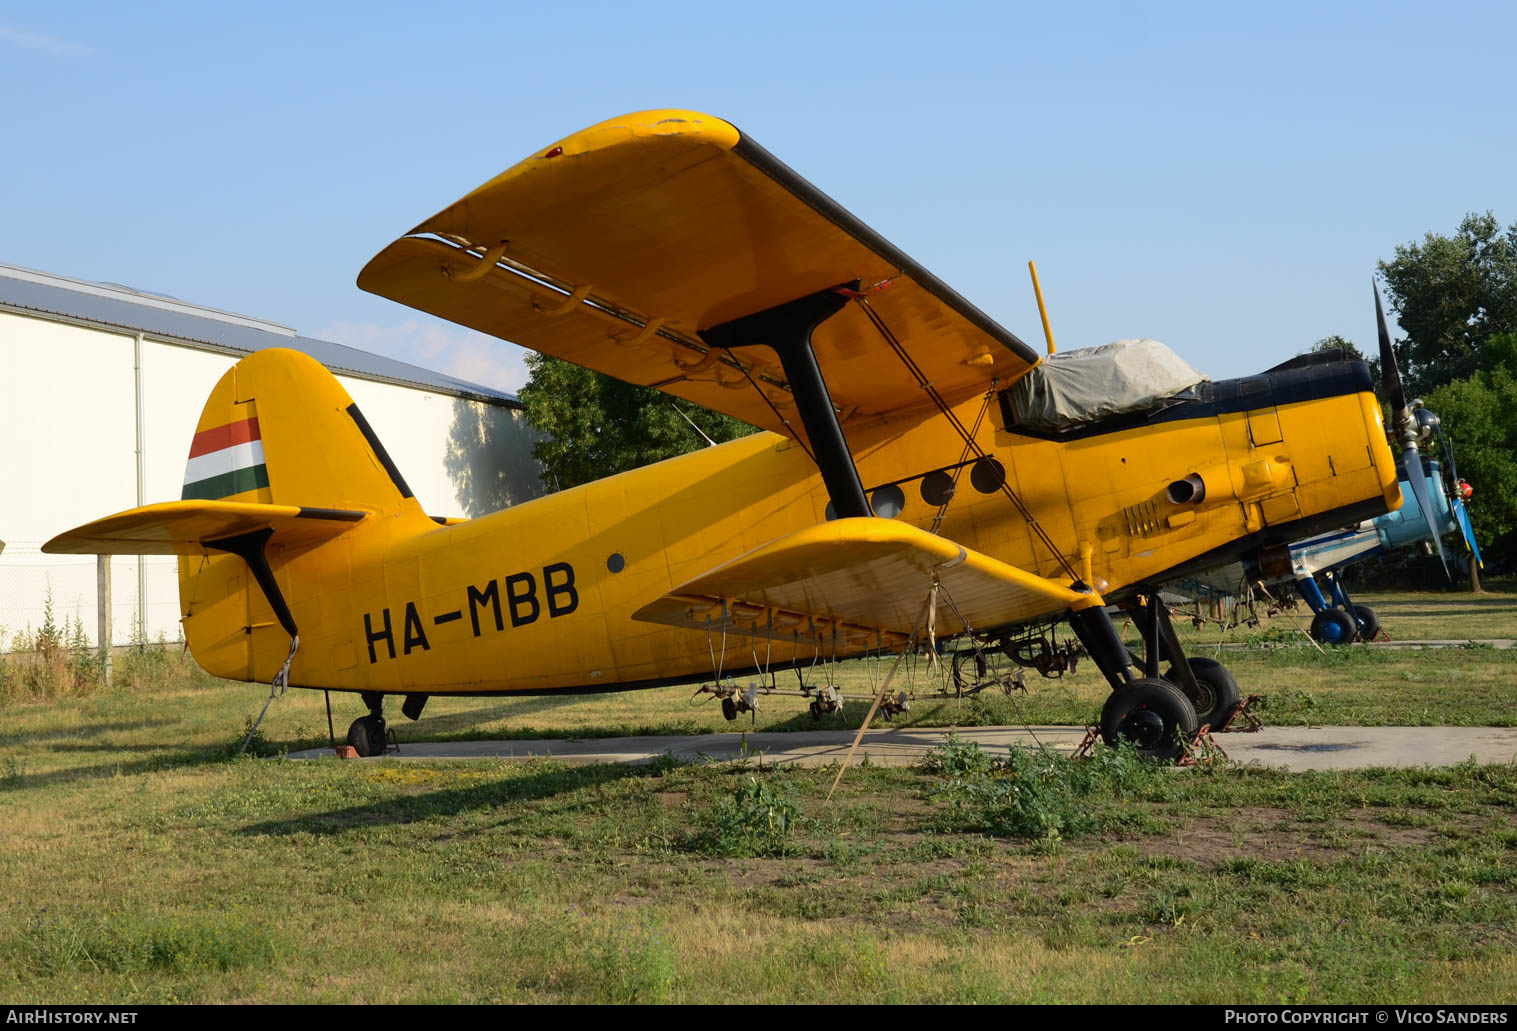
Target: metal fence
144, 607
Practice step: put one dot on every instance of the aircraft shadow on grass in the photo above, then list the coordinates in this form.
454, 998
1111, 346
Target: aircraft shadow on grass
407, 809
456, 724
37, 737
164, 759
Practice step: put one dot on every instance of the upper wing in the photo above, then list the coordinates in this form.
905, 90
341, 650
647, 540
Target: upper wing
617, 246
186, 527
868, 576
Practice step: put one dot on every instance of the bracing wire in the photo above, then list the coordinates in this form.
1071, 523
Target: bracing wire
765, 398
969, 441
947, 596
937, 520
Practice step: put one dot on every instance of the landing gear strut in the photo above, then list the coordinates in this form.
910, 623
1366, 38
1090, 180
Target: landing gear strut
367, 734
1158, 714
1339, 620
1206, 683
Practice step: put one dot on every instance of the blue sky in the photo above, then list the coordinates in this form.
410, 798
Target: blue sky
1221, 177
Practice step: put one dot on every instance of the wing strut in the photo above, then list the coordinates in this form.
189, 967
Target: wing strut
787, 329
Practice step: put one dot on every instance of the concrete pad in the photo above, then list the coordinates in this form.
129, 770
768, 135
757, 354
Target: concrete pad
1357, 748
1292, 748
1500, 644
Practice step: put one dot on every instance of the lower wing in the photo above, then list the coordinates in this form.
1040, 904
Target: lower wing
868, 578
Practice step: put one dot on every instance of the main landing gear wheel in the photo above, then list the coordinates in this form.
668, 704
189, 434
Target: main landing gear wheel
1369, 623
1153, 715
1219, 693
1334, 626
367, 736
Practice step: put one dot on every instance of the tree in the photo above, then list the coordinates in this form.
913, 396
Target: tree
1480, 419
1336, 343
1451, 295
593, 425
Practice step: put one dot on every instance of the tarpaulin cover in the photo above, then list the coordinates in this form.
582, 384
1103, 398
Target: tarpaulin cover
1076, 387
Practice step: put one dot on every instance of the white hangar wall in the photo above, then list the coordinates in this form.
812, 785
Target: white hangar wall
67, 445
68, 454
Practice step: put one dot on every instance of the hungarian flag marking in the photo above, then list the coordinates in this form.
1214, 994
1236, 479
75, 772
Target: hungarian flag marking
225, 460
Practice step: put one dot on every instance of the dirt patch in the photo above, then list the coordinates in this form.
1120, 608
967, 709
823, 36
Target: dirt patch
1277, 835
936, 867
742, 874
672, 799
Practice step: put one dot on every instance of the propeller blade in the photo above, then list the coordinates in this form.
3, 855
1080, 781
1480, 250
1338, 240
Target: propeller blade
1418, 479
1467, 528
1407, 430
1390, 372
1448, 456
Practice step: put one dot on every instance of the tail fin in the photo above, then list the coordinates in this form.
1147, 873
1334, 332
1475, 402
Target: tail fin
282, 461
279, 429
280, 446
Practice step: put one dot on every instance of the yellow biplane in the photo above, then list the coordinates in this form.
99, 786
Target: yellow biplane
919, 471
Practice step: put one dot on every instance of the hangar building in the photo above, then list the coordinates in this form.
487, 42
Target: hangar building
100, 390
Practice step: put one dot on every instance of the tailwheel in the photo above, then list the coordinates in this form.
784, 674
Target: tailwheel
367, 735
1369, 623
1152, 714
1334, 626
1217, 695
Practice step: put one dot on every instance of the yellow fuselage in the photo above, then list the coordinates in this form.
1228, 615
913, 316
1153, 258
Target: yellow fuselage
540, 596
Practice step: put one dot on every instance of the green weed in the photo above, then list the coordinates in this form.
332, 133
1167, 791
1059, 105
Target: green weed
1040, 795
62, 944
631, 961
757, 820
53, 661
958, 758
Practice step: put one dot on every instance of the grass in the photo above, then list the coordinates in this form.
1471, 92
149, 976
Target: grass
170, 873
140, 863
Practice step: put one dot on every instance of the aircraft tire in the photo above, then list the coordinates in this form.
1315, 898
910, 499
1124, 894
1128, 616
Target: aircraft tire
1369, 623
1152, 714
1334, 626
1219, 695
367, 736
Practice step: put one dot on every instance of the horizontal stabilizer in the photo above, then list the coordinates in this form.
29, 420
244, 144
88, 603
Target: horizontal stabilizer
869, 577
188, 527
